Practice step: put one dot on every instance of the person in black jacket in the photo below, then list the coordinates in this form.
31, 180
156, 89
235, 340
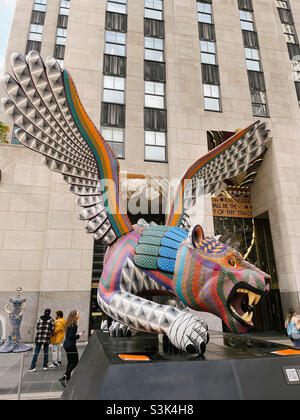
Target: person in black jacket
44, 327
70, 345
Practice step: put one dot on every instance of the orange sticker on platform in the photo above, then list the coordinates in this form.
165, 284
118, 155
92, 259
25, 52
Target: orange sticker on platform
134, 358
287, 352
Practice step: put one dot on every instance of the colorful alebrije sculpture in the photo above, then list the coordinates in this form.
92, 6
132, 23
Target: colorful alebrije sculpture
204, 274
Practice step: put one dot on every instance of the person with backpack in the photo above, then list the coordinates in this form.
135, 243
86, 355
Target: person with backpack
45, 327
292, 325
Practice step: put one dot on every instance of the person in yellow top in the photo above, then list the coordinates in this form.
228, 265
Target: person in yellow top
57, 338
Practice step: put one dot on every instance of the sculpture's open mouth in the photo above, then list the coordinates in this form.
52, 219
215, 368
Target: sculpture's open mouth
241, 303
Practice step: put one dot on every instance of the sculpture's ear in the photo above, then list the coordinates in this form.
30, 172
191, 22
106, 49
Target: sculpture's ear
195, 236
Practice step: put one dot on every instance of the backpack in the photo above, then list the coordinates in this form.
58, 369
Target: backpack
292, 331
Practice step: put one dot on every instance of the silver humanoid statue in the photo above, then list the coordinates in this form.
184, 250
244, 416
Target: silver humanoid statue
13, 343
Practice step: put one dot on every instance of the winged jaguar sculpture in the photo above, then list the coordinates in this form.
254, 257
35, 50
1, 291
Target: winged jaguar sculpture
205, 274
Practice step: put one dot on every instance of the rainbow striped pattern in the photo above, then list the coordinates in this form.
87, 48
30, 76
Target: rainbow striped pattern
125, 248
202, 283
107, 162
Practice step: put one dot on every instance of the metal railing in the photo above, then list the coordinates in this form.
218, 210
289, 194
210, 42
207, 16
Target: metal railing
17, 382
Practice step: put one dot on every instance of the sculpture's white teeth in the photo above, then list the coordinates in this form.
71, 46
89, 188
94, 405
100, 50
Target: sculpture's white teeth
247, 316
257, 299
233, 310
253, 299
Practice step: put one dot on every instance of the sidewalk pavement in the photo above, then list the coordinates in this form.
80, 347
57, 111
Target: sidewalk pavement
45, 385
39, 385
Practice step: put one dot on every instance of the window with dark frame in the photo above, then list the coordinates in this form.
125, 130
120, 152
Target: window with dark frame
291, 38
253, 60
114, 77
40, 5
117, 6
154, 9
34, 40
208, 54
61, 31
155, 114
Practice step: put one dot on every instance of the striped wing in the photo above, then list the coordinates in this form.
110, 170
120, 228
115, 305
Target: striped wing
44, 104
227, 160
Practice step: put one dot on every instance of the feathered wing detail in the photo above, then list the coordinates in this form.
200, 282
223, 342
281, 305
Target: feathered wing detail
227, 160
44, 104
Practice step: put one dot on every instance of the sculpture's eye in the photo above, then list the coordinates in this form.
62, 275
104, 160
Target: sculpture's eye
232, 261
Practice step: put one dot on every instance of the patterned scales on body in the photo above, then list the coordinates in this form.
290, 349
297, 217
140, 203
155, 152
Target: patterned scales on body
157, 248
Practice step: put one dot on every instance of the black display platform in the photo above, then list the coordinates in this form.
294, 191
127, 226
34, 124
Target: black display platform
234, 368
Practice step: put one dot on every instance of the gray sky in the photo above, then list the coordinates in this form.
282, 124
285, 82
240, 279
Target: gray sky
7, 8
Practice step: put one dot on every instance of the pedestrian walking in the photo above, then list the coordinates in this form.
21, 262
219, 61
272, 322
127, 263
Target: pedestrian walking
70, 345
292, 325
57, 339
45, 327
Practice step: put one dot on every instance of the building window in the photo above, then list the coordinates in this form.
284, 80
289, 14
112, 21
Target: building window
115, 138
114, 65
61, 36
59, 52
34, 41
154, 9
61, 32
117, 6
115, 43
154, 49
33, 46
112, 115
37, 18
154, 28
36, 32
253, 61
154, 71
289, 30
155, 119
155, 115
204, 12
211, 97
113, 109
154, 95
297, 86
282, 4
155, 146
259, 103
64, 7
208, 50
246, 20
113, 89
40, 5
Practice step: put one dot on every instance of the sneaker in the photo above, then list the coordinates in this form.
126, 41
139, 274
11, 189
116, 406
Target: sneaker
45, 368
53, 366
59, 364
31, 370
63, 381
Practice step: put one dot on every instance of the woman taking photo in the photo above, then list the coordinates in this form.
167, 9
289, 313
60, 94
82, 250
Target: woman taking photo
70, 345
